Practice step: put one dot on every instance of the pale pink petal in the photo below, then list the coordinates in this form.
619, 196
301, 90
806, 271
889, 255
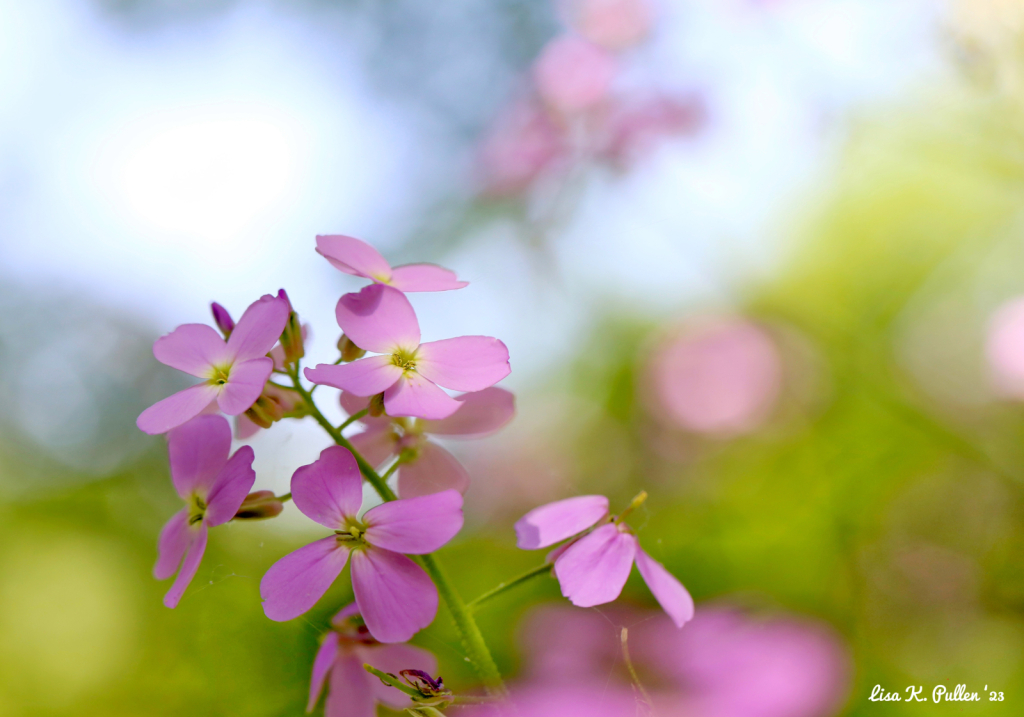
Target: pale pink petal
595, 568
177, 408
244, 427
351, 691
189, 566
353, 404
466, 363
424, 277
668, 591
395, 596
379, 319
353, 256
192, 348
171, 545
295, 582
433, 470
198, 451
375, 444
482, 412
330, 489
554, 522
229, 490
244, 386
365, 377
344, 613
413, 395
322, 664
259, 328
394, 659
415, 525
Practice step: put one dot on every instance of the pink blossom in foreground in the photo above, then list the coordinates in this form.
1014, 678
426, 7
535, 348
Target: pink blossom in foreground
214, 487
427, 467
593, 569
612, 24
358, 258
235, 370
394, 595
573, 75
381, 319
1004, 349
351, 690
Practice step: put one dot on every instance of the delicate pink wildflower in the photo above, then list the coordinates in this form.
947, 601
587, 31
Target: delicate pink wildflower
573, 75
235, 370
358, 258
612, 24
427, 467
593, 569
523, 143
214, 487
381, 319
394, 595
352, 691
1004, 348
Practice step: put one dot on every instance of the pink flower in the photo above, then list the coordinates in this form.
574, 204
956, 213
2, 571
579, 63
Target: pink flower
593, 569
1004, 349
352, 691
212, 485
635, 127
394, 595
358, 258
426, 467
613, 24
573, 75
380, 319
522, 144
235, 370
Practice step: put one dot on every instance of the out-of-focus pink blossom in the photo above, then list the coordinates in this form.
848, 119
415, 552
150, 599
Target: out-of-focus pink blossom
635, 127
523, 143
573, 75
1004, 349
612, 24
356, 257
721, 377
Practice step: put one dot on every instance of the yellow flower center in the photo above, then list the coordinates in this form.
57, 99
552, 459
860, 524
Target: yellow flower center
405, 360
220, 375
196, 509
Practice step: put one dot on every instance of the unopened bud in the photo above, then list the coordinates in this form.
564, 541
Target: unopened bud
377, 405
265, 411
422, 681
259, 505
223, 319
349, 351
291, 339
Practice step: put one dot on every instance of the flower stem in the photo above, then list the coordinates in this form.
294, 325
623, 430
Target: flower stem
502, 587
391, 681
285, 498
353, 418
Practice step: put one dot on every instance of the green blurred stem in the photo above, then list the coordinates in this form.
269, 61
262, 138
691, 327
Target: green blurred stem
285, 498
353, 418
472, 639
502, 587
390, 471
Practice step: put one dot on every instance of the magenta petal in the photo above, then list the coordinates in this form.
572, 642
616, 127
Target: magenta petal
482, 412
424, 277
171, 545
466, 363
233, 483
394, 659
669, 592
595, 568
192, 348
351, 690
194, 556
198, 451
244, 386
395, 596
415, 525
433, 470
330, 489
365, 377
177, 408
413, 395
375, 444
295, 582
554, 522
353, 256
379, 319
322, 664
259, 328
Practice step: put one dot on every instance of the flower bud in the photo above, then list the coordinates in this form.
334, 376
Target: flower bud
259, 505
349, 351
223, 319
422, 681
275, 403
377, 405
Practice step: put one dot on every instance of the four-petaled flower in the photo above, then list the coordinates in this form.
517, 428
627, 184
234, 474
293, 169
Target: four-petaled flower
394, 595
358, 258
380, 319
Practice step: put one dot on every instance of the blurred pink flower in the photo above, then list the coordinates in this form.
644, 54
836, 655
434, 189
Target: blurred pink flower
522, 144
635, 127
573, 75
356, 257
612, 24
1004, 348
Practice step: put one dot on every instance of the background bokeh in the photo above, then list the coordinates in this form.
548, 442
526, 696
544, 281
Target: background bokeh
757, 257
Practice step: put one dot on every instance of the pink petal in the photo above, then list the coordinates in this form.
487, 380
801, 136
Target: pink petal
244, 427
424, 277
177, 408
244, 386
198, 451
482, 412
295, 582
595, 568
554, 522
259, 328
171, 546
322, 664
353, 404
365, 377
395, 596
375, 444
330, 489
353, 256
433, 471
413, 395
194, 556
229, 490
192, 348
351, 691
415, 526
379, 319
466, 363
394, 659
344, 613
668, 591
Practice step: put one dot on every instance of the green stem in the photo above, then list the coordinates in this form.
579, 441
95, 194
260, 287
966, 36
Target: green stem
285, 498
502, 587
390, 471
353, 418
392, 682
